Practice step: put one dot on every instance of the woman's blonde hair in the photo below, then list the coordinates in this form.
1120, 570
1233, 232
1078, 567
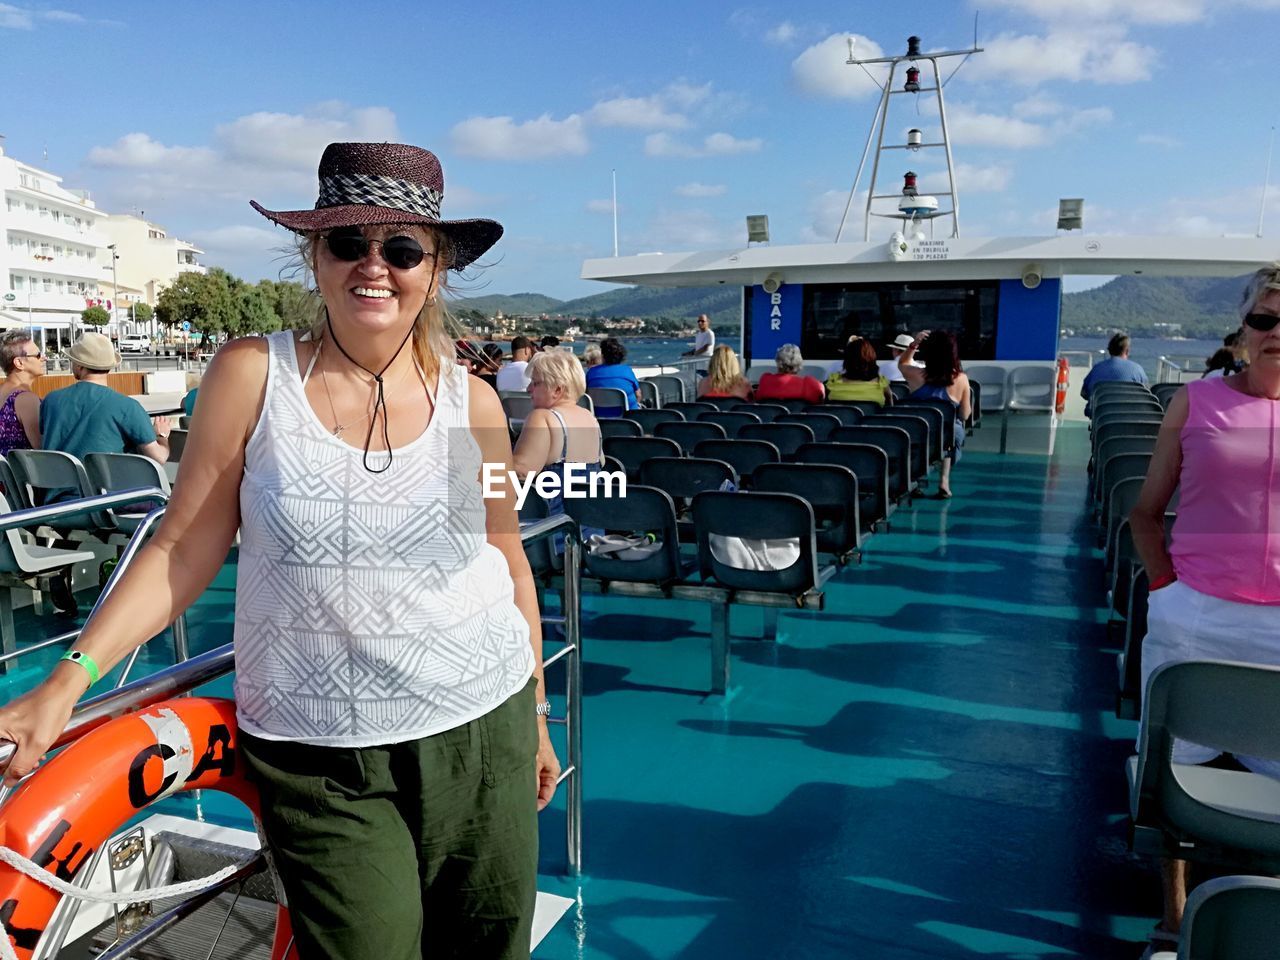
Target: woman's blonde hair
431, 329
559, 368
723, 371
591, 356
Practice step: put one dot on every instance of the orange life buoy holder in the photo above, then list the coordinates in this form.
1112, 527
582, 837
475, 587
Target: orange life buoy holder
1060, 401
79, 799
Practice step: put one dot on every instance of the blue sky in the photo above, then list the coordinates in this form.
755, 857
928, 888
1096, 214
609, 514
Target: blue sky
1157, 112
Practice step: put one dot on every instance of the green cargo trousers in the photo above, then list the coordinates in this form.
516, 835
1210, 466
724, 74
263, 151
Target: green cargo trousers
408, 851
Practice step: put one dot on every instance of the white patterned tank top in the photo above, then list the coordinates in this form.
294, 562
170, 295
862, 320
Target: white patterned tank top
370, 607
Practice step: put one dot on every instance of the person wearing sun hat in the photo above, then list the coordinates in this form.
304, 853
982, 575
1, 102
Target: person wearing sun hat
897, 347
90, 417
389, 686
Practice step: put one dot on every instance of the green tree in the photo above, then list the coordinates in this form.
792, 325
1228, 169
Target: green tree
203, 300
294, 306
94, 316
142, 313
254, 312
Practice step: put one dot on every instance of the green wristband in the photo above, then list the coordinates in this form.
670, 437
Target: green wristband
86, 661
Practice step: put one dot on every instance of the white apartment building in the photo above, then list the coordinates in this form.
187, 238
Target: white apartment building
148, 260
51, 248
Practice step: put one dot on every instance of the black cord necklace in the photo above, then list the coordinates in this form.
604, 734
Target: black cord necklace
380, 401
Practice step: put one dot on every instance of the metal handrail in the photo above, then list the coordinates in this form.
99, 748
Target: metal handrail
1172, 368
1071, 357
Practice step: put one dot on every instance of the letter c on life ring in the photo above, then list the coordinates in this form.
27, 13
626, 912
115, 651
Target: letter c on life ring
79, 799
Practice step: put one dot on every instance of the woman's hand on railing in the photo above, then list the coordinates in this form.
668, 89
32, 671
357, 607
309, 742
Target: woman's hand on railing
33, 721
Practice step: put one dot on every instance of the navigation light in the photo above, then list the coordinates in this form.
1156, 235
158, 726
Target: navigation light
913, 80
913, 139
909, 184
913, 46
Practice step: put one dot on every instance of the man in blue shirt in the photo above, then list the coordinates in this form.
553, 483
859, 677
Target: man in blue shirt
1118, 366
90, 417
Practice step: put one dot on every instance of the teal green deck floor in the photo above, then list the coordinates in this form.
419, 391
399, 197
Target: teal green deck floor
929, 768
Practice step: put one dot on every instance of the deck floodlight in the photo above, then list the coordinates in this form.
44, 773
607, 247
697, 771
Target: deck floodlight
1032, 274
758, 229
1071, 214
773, 282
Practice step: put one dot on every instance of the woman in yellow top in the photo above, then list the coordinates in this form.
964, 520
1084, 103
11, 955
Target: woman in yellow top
860, 379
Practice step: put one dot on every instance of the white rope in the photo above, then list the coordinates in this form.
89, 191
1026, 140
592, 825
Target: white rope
30, 868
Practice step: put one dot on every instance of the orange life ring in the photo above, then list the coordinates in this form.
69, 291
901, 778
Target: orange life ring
1060, 402
85, 794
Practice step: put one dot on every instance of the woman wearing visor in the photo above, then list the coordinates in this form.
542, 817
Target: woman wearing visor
388, 655
1215, 593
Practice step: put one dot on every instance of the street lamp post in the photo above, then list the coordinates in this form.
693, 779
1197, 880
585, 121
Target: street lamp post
115, 289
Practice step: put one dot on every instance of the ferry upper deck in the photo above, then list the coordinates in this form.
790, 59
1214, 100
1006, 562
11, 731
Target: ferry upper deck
927, 767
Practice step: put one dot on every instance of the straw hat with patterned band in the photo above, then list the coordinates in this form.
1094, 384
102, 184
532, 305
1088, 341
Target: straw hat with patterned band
385, 183
93, 351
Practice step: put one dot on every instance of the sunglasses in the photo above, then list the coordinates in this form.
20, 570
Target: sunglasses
38, 355
1262, 322
403, 253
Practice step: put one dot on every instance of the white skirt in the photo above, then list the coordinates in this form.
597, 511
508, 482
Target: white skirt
1184, 624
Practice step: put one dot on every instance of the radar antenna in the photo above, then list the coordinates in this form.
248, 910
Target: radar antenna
911, 207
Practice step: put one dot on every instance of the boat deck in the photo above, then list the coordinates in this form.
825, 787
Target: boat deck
929, 768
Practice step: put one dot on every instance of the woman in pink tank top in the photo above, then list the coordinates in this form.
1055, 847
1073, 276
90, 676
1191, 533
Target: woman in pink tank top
1215, 593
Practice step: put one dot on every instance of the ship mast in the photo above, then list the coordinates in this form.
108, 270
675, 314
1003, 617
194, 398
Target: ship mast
911, 206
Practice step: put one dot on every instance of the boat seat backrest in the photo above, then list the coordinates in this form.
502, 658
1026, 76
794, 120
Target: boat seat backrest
177, 444
1119, 387
918, 433
633, 451
683, 478
894, 441
767, 412
585, 403
743, 455
899, 389
1231, 918
1123, 466
114, 472
691, 409
620, 427
1119, 503
689, 434
1118, 405
608, 399
543, 560
721, 403
1032, 387
517, 406
11, 488
994, 383
1229, 707
648, 419
947, 414
1113, 445
832, 492
670, 388
870, 464
822, 424
847, 413
649, 395
787, 437
731, 420
43, 471
644, 510
762, 516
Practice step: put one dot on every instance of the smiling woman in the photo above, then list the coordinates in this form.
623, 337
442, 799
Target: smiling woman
387, 631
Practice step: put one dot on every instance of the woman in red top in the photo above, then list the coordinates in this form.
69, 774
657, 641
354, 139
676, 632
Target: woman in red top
788, 383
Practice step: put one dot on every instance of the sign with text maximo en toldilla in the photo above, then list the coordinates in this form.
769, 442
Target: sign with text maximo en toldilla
775, 319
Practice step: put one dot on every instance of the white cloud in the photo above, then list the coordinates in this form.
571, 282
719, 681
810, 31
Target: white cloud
983, 179
971, 128
685, 95
784, 33
1158, 140
696, 189
713, 145
599, 206
1134, 11
501, 138
825, 211
1098, 54
642, 113
690, 229
822, 70
293, 141
15, 18
26, 18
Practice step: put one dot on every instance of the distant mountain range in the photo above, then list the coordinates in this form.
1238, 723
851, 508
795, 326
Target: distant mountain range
1136, 304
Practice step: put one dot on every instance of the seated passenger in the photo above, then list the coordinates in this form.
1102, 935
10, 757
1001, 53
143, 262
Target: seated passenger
889, 368
860, 379
614, 372
940, 379
22, 361
515, 375
1215, 595
189, 398
788, 383
1117, 366
90, 417
557, 431
724, 376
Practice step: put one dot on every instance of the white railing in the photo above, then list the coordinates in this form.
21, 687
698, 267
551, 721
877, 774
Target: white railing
1179, 369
